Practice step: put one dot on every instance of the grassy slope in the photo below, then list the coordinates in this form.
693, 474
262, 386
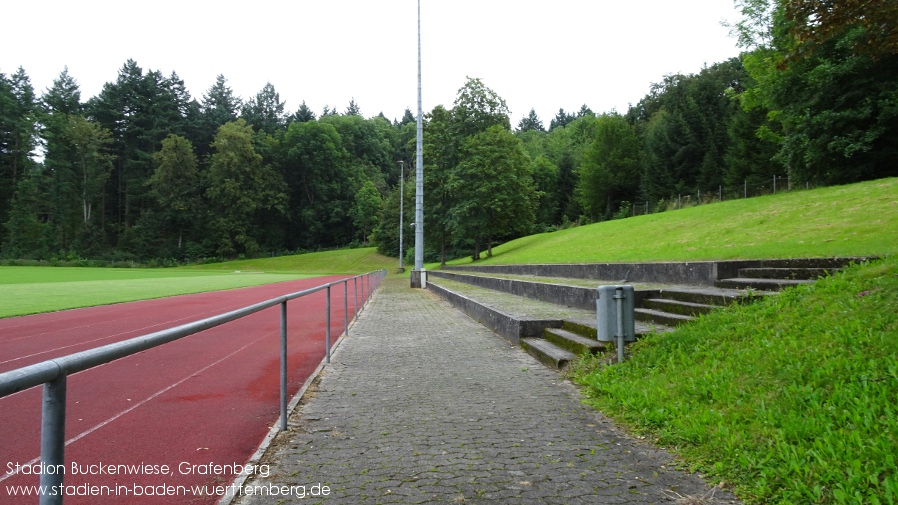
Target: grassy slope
853, 220
791, 399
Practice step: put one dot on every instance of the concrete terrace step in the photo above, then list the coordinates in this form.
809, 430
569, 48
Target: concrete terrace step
677, 306
661, 317
548, 353
573, 342
761, 284
511, 316
587, 327
716, 296
786, 273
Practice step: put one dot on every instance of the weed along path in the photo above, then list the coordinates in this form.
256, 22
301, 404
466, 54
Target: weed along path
151, 427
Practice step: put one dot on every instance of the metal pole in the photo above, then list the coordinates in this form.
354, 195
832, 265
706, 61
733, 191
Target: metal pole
746, 189
284, 365
774, 184
327, 333
401, 201
53, 440
355, 283
346, 307
419, 166
619, 296
719, 193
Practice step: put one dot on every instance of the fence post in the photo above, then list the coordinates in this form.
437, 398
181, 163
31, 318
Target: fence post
53, 438
355, 283
719, 193
327, 334
774, 184
284, 365
346, 307
746, 189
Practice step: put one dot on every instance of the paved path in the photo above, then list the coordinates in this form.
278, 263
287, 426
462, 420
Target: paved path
422, 405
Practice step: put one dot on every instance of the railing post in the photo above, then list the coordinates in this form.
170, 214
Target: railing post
346, 307
355, 283
53, 440
284, 365
327, 333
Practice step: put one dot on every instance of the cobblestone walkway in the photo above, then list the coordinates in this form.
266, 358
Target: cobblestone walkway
422, 405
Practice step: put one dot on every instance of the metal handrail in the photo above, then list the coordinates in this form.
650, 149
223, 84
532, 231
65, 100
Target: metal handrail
53, 373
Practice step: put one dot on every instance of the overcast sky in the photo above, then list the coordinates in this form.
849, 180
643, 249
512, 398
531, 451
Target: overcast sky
535, 54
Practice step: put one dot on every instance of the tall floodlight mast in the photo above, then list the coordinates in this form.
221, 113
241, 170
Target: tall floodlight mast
419, 178
401, 199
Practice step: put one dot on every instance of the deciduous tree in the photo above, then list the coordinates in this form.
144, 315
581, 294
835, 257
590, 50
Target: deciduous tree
492, 188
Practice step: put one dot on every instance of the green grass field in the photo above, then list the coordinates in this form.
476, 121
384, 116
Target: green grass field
32, 290
853, 220
343, 261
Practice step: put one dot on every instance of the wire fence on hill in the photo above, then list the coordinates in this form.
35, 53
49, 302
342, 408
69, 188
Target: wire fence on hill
776, 184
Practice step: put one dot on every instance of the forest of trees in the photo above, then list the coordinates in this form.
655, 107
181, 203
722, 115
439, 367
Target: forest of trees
143, 171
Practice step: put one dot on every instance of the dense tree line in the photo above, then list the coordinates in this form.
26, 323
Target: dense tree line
143, 170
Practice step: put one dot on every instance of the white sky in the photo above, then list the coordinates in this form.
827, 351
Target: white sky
535, 54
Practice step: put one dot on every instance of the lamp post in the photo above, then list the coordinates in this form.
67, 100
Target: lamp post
401, 201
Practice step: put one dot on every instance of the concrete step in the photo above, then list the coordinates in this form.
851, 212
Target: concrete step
573, 342
760, 284
587, 327
660, 317
677, 306
717, 296
786, 273
548, 353
831, 263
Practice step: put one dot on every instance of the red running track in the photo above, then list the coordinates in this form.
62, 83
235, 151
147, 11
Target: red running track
207, 398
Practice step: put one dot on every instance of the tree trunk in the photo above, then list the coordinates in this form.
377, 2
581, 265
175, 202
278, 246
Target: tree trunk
476, 255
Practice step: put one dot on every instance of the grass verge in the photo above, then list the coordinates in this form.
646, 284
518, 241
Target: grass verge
791, 400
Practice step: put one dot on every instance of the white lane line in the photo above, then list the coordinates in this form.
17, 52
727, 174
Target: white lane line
138, 404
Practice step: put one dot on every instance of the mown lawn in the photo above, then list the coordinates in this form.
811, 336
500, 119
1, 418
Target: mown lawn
32, 290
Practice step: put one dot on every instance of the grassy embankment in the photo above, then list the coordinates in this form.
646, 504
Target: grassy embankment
31, 290
853, 220
790, 400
